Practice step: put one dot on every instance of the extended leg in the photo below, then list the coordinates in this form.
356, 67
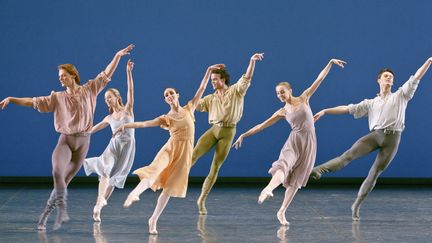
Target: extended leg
135, 193
277, 179
363, 146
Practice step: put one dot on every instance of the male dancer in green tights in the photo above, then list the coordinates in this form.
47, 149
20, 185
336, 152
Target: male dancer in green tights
225, 108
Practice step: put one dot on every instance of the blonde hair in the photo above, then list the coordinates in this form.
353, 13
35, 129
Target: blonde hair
286, 84
71, 69
116, 93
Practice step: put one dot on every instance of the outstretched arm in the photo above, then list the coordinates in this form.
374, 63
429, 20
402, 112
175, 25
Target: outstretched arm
423, 69
270, 121
343, 109
109, 70
18, 101
251, 68
311, 90
101, 125
150, 123
130, 84
204, 83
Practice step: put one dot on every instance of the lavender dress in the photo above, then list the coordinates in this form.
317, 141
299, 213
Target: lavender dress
297, 157
116, 161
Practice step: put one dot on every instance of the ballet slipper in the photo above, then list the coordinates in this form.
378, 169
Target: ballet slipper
355, 212
281, 217
130, 199
265, 194
152, 227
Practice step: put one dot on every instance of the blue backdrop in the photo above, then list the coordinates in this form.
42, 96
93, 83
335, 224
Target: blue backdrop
176, 41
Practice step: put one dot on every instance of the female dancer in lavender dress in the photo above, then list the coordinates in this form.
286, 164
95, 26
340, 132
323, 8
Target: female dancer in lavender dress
114, 164
73, 111
297, 156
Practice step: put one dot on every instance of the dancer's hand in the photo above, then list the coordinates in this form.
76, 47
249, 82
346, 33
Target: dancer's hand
4, 103
119, 130
216, 67
125, 51
338, 62
129, 66
319, 115
238, 142
257, 57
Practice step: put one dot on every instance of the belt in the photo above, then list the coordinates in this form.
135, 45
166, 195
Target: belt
389, 131
79, 134
225, 124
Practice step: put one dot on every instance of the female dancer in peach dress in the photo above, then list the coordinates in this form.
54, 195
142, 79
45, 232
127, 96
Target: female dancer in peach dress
297, 156
170, 168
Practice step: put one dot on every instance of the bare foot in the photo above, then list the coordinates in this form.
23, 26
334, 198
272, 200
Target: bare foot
281, 217
152, 227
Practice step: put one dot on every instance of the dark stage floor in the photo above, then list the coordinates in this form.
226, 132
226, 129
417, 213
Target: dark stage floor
316, 215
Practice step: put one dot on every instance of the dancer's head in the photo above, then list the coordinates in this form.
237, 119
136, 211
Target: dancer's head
385, 77
171, 96
283, 91
113, 99
219, 78
68, 73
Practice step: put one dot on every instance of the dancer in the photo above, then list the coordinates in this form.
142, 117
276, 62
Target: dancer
73, 119
386, 114
170, 168
114, 164
297, 156
225, 108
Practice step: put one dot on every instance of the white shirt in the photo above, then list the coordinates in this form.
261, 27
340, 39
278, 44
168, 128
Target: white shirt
387, 112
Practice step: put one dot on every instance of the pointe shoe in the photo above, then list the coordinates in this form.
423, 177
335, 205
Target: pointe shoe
129, 200
264, 196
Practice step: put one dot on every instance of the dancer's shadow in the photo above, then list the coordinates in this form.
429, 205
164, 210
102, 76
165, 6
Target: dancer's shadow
206, 235
356, 233
282, 234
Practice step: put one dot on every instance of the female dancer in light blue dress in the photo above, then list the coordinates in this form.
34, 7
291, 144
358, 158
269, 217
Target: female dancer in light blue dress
114, 164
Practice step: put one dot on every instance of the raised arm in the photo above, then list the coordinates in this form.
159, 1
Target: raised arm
343, 109
18, 101
101, 125
423, 69
311, 90
150, 123
251, 68
270, 121
109, 70
130, 84
204, 83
